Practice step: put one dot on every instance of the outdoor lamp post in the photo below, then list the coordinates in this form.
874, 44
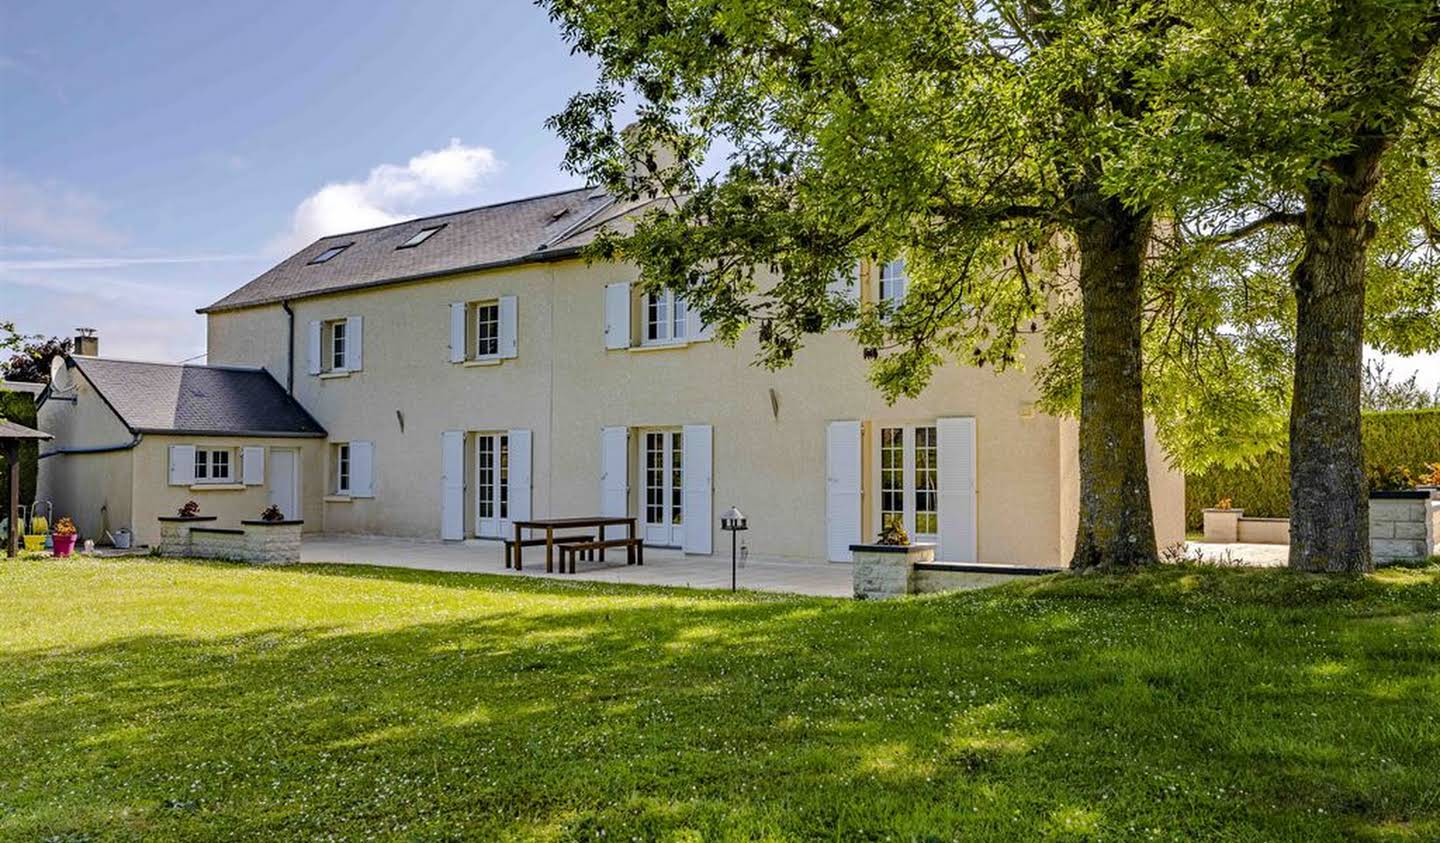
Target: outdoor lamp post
733, 522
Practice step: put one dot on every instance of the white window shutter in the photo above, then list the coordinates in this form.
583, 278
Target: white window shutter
182, 465
698, 483
252, 466
457, 331
615, 472
846, 285
520, 474
842, 489
508, 326
452, 485
696, 328
313, 354
956, 499
354, 343
617, 315
362, 469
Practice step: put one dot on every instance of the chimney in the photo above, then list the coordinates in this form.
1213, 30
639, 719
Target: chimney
86, 343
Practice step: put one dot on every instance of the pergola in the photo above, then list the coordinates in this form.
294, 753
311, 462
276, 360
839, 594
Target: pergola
11, 435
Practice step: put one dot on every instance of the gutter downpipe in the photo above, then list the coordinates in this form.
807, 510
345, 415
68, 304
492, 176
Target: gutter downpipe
289, 348
93, 449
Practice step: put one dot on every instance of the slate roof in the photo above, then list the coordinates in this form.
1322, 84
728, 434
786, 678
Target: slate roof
547, 227
201, 400
11, 430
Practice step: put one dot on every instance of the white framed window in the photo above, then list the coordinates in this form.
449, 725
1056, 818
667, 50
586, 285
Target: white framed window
214, 465
894, 281
666, 318
909, 470
341, 459
338, 333
487, 329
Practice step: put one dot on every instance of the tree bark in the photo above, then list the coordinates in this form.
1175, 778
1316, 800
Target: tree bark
1329, 501
1116, 527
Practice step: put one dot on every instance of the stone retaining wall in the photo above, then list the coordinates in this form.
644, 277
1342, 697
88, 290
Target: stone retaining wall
882, 571
257, 542
1404, 525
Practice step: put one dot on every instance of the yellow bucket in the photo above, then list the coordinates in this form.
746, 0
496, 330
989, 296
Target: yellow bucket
34, 542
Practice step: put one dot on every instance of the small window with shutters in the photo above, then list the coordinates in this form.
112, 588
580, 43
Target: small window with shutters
214, 465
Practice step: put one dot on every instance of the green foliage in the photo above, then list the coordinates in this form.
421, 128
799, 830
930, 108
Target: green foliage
19, 407
1396, 440
224, 702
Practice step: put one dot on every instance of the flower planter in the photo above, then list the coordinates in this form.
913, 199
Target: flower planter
63, 544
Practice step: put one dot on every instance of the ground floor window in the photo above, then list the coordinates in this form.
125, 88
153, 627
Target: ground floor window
212, 465
909, 475
663, 459
492, 483
342, 468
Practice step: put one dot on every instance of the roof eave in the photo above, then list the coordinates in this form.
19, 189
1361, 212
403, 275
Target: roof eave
256, 434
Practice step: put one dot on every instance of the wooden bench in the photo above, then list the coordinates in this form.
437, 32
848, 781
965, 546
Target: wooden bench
635, 551
560, 541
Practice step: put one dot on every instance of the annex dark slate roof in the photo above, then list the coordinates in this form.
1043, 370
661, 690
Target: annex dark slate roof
11, 430
204, 400
545, 227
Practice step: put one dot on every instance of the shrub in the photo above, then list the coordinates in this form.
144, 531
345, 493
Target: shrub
1408, 439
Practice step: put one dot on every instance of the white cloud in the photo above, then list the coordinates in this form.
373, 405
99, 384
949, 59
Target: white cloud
51, 213
391, 193
116, 262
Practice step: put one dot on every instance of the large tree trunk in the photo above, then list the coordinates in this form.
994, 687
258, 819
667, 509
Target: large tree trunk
1117, 528
1329, 502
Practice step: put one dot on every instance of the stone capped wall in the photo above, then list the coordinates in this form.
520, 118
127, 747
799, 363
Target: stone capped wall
1404, 526
256, 542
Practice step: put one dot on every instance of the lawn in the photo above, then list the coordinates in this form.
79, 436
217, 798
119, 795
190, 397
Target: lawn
168, 700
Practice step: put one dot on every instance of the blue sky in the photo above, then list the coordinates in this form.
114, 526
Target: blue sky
156, 155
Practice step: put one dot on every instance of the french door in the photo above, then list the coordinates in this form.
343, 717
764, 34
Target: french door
492, 485
663, 462
909, 475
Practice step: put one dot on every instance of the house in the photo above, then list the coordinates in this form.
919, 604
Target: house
134, 441
470, 369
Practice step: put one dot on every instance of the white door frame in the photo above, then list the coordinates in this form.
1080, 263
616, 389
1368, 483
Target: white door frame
496, 492
667, 533
270, 474
908, 485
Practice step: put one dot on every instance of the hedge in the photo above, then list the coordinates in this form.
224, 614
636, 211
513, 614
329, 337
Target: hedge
1409, 438
19, 407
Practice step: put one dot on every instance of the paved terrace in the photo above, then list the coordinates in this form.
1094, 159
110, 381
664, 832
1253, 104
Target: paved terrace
662, 567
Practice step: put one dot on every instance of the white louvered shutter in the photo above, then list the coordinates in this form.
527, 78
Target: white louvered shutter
956, 467
842, 489
617, 316
458, 311
182, 465
508, 326
614, 472
695, 327
520, 475
252, 466
846, 285
362, 469
698, 483
354, 343
452, 485
312, 360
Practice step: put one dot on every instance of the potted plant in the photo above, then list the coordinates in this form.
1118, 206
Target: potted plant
64, 536
272, 513
191, 509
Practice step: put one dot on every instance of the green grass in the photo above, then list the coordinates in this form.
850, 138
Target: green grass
177, 700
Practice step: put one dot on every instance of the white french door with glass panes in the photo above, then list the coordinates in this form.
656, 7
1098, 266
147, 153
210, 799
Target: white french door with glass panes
663, 465
492, 485
909, 473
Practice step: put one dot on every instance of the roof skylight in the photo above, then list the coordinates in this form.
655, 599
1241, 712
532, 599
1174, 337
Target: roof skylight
330, 253
420, 237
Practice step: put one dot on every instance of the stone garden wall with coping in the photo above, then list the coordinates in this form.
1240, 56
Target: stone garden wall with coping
1404, 525
881, 571
257, 542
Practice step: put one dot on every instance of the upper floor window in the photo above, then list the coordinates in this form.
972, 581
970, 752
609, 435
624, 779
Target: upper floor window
212, 465
894, 282
338, 338
665, 317
330, 253
420, 237
487, 329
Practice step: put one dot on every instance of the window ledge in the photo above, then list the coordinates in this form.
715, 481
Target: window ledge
338, 498
661, 346
336, 373
217, 487
482, 361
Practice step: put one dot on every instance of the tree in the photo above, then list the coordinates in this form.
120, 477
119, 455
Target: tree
31, 361
1381, 390
1015, 153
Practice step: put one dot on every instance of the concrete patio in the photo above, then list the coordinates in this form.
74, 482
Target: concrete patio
662, 566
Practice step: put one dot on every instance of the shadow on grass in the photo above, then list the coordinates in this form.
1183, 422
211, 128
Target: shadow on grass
1185, 703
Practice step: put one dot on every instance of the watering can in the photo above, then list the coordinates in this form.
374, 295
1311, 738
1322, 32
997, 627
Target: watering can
120, 538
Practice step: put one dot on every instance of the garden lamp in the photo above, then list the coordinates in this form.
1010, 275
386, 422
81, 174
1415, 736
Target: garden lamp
733, 522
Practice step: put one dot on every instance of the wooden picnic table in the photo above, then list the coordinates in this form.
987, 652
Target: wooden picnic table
633, 547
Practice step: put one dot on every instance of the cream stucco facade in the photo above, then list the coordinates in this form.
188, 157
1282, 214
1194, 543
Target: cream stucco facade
564, 386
